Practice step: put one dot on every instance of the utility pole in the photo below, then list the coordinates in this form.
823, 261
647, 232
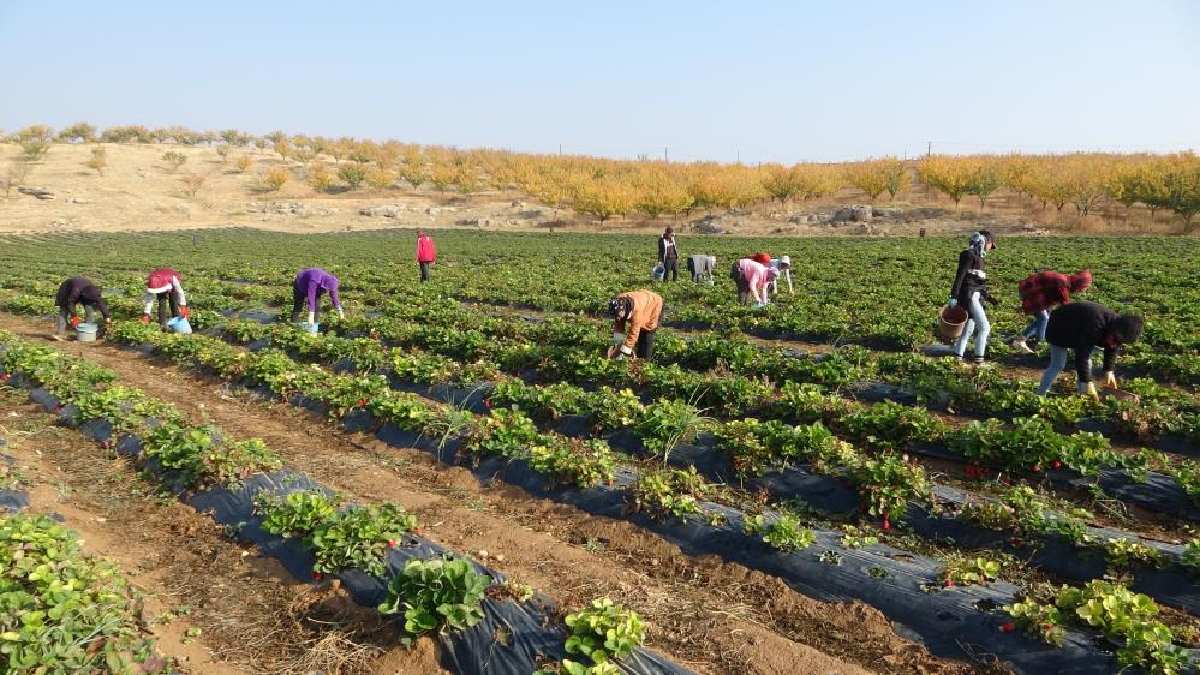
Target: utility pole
666, 159
560, 149
929, 149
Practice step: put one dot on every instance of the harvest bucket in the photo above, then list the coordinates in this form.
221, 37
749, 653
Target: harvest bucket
658, 273
307, 327
950, 323
86, 332
180, 325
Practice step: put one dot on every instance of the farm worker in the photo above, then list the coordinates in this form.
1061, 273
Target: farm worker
783, 268
970, 290
668, 255
426, 254
636, 316
1083, 326
310, 283
164, 286
1042, 291
75, 291
701, 267
755, 278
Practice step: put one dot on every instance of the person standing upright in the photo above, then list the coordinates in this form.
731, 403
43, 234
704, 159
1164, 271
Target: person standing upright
426, 254
668, 255
970, 290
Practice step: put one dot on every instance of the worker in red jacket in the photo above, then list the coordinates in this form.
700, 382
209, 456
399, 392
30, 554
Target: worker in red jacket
426, 254
165, 286
1041, 292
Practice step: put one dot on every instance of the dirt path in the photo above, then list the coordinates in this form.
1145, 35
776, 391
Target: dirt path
213, 607
711, 615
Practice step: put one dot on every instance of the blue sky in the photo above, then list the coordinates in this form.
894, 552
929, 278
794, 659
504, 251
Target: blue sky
763, 81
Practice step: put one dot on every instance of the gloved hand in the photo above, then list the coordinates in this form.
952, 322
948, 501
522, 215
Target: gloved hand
185, 312
1110, 379
312, 317
74, 322
145, 319
952, 302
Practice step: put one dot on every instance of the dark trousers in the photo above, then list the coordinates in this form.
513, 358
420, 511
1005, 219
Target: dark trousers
671, 269
742, 286
426, 268
299, 298
644, 349
167, 300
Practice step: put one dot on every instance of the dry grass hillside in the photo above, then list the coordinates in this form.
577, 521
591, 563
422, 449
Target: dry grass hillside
138, 188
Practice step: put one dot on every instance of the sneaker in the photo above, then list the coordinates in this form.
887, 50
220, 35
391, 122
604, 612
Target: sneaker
974, 360
1021, 345
58, 338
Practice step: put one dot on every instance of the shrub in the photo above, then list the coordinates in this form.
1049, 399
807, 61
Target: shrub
319, 178
174, 159
353, 175
380, 179
126, 134
80, 131
192, 183
99, 160
275, 178
243, 163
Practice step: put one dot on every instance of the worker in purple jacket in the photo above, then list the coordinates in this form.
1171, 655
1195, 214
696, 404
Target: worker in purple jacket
310, 283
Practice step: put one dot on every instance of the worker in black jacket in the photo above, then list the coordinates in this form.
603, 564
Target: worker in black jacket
1082, 327
969, 291
668, 255
73, 292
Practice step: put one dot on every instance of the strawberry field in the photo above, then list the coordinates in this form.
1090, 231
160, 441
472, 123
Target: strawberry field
812, 441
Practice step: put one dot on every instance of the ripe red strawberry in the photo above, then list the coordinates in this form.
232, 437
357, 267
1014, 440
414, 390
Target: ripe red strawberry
949, 583
1008, 627
487, 403
887, 524
1056, 464
391, 543
317, 576
362, 402
1037, 468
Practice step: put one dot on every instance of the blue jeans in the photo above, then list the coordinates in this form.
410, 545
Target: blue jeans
1058, 361
1037, 327
977, 324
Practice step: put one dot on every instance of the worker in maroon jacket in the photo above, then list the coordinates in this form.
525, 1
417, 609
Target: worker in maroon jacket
1082, 327
165, 286
1041, 292
73, 292
426, 254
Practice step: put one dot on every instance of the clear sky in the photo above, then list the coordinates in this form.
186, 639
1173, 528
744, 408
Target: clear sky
763, 81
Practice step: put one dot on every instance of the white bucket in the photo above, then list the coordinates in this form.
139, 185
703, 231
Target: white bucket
86, 332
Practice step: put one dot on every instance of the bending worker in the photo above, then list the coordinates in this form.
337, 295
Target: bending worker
783, 268
75, 291
753, 278
308, 287
701, 267
636, 316
1041, 292
165, 286
1083, 326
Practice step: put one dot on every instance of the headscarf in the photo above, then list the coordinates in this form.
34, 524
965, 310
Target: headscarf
1080, 281
979, 244
619, 306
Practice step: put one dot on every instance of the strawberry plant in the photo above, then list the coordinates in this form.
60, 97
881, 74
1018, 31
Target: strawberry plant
506, 432
604, 631
1191, 555
435, 595
668, 492
613, 410
889, 482
963, 571
359, 538
62, 612
1125, 553
582, 464
296, 514
783, 533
